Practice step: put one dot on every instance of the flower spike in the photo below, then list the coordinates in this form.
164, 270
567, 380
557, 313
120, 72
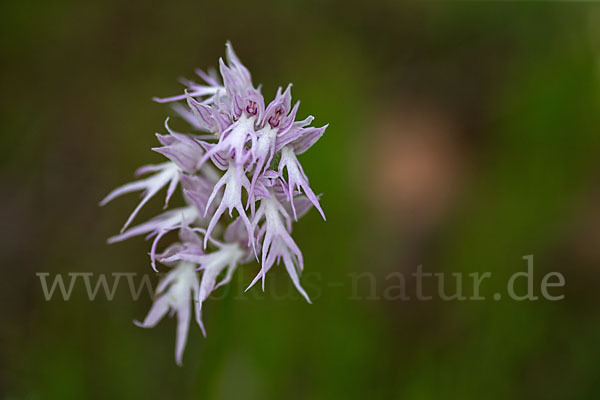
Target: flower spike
245, 160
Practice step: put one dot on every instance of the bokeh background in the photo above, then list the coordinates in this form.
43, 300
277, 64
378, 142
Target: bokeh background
463, 136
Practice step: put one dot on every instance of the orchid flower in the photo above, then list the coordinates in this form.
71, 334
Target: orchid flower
297, 178
166, 173
245, 163
175, 292
275, 232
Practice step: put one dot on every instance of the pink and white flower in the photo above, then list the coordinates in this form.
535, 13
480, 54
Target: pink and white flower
245, 163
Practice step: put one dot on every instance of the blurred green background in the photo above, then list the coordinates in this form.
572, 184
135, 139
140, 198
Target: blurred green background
463, 136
